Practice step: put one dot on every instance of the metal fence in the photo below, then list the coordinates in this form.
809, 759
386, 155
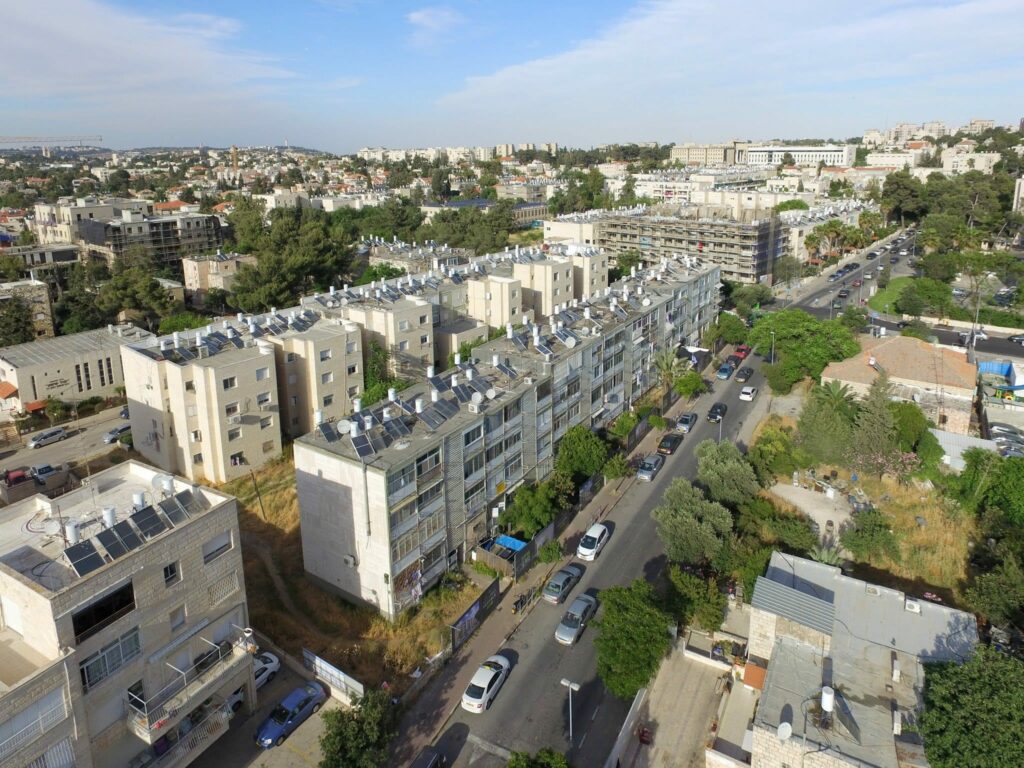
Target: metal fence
342, 685
466, 624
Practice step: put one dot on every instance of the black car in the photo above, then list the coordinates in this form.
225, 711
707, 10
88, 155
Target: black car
669, 443
743, 374
853, 266
894, 259
717, 412
872, 256
734, 360
844, 293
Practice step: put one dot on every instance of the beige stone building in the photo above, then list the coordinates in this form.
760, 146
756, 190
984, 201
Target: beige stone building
546, 284
61, 222
938, 378
36, 294
497, 300
204, 273
403, 326
123, 613
212, 403
68, 368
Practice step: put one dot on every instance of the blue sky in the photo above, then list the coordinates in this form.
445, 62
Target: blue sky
341, 74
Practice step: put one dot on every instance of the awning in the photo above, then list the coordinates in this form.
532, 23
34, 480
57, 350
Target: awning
7, 389
37, 405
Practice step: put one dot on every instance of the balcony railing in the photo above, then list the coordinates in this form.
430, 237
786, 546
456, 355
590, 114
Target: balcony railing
149, 718
196, 740
44, 721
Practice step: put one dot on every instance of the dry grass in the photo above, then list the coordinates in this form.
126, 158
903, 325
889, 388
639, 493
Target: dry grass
355, 639
934, 554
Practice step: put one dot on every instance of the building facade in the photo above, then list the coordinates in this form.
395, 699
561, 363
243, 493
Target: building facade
207, 272
161, 238
393, 496
829, 154
36, 295
124, 623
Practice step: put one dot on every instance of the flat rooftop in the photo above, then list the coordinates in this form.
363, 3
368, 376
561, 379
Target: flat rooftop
59, 348
36, 540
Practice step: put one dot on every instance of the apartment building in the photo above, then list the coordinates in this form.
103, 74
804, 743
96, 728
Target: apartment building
123, 625
401, 324
498, 300
977, 125
36, 295
162, 238
212, 403
206, 272
729, 153
60, 222
829, 154
69, 368
956, 160
801, 223
1018, 194
395, 495
894, 159
45, 256
545, 283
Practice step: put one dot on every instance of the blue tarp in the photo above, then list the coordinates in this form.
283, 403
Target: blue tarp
510, 543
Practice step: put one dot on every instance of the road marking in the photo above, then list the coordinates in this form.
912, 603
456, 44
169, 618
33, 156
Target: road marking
487, 746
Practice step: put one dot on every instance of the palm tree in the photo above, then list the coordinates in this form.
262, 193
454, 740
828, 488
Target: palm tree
825, 554
669, 367
836, 397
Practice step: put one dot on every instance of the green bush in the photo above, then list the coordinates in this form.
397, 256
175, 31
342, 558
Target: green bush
550, 552
870, 538
617, 467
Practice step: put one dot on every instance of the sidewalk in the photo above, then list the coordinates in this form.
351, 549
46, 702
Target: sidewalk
424, 721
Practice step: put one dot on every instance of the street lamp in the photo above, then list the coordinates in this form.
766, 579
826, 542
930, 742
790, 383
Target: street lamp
772, 333
572, 687
721, 418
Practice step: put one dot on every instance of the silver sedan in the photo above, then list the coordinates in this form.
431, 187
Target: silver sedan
575, 619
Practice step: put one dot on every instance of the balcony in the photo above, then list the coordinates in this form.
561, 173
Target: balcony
188, 742
43, 722
152, 718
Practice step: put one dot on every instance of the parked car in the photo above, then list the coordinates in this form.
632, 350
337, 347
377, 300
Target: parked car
650, 467
593, 541
561, 583
748, 394
15, 477
669, 443
734, 361
743, 351
41, 472
115, 434
124, 412
844, 293
429, 757
869, 274
686, 422
1018, 339
998, 428
293, 711
485, 684
575, 619
724, 372
872, 256
48, 437
265, 668
857, 283
717, 412
895, 259
743, 374
834, 277
236, 699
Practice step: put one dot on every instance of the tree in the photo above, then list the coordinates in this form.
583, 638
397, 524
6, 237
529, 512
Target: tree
870, 538
909, 302
999, 594
55, 410
696, 599
725, 474
11, 267
786, 270
873, 444
546, 758
625, 261
632, 638
903, 196
381, 271
787, 159
669, 367
749, 297
825, 554
690, 384
791, 205
16, 326
532, 508
855, 318
617, 467
826, 423
981, 468
187, 195
775, 453
884, 276
182, 321
692, 528
1007, 490
974, 712
729, 328
358, 737
247, 224
581, 453
804, 344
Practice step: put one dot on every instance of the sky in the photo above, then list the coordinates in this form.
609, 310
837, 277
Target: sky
338, 75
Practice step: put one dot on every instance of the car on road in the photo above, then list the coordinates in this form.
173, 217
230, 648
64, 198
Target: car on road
837, 303
844, 293
124, 413
872, 256
48, 437
748, 394
869, 274
894, 259
593, 541
42, 472
834, 277
1017, 339
293, 711
717, 412
485, 684
669, 443
904, 252
959, 293
650, 467
743, 351
967, 338
857, 283
561, 583
744, 375
265, 668
115, 434
998, 428
575, 619
724, 371
686, 422
853, 266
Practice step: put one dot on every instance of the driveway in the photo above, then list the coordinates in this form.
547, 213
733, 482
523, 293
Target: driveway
85, 439
817, 506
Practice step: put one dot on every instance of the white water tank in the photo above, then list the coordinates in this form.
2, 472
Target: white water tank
139, 500
109, 516
828, 699
71, 532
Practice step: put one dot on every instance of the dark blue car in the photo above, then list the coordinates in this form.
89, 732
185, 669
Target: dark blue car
292, 712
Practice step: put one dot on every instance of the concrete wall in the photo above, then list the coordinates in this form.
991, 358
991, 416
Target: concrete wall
769, 752
765, 627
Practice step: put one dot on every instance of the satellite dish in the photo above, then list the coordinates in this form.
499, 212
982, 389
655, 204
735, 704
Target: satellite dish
159, 482
477, 398
785, 731
344, 426
491, 394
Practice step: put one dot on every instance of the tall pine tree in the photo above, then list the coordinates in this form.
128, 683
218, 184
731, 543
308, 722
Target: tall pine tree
874, 447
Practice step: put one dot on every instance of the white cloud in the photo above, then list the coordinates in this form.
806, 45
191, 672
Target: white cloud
686, 69
432, 26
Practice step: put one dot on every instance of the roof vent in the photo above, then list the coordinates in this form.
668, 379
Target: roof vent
912, 605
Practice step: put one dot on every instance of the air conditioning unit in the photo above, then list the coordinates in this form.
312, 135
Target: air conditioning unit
349, 561
473, 407
236, 419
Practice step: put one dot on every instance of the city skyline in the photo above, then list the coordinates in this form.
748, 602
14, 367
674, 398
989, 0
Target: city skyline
341, 74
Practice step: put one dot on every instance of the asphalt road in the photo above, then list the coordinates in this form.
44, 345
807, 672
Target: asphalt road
85, 440
532, 709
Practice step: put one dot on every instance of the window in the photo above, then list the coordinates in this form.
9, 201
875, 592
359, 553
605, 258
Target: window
197, 458
494, 452
403, 346
263, 398
109, 659
171, 574
290, 357
401, 478
403, 325
512, 441
432, 525
423, 319
543, 390
353, 369
473, 435
103, 612
405, 544
177, 618
353, 391
237, 459
266, 421
196, 436
427, 462
327, 377
512, 410
429, 495
216, 546
351, 348
268, 446
473, 491
403, 513
230, 382
514, 466
293, 400
262, 374
424, 340
190, 386
231, 409
473, 466
325, 354
234, 434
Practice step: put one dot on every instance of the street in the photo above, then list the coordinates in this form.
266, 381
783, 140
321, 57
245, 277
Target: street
85, 439
532, 709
